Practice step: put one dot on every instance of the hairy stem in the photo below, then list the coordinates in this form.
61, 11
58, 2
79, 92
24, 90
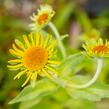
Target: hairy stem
52, 26
93, 80
88, 84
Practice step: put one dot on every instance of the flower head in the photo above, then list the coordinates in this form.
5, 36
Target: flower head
91, 36
42, 18
97, 49
33, 57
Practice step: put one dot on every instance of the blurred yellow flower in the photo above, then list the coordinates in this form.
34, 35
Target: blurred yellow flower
42, 18
34, 57
97, 49
91, 36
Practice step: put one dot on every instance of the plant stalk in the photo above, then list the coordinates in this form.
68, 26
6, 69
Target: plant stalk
52, 26
93, 80
88, 84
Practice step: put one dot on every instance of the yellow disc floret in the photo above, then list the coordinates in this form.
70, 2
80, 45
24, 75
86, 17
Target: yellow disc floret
35, 58
97, 49
42, 18
100, 49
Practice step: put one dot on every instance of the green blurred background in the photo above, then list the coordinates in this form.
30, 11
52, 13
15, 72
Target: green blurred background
72, 17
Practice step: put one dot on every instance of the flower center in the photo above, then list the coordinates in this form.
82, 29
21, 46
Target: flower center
101, 49
35, 58
93, 36
42, 18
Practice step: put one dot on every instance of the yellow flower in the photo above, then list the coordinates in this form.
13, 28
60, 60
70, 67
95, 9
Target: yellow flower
97, 49
91, 36
42, 18
33, 57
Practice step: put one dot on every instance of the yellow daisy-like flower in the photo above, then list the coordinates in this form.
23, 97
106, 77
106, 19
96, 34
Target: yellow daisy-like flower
91, 36
42, 18
34, 57
97, 49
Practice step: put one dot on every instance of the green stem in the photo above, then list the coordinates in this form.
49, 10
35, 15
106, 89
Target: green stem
88, 84
52, 26
93, 80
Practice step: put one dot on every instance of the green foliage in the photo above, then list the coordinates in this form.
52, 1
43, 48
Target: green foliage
47, 94
71, 64
63, 15
84, 20
45, 87
96, 92
42, 88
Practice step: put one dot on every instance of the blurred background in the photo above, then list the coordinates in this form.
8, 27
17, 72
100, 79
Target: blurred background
72, 17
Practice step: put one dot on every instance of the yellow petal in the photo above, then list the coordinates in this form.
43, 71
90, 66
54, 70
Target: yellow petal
16, 49
51, 69
15, 61
52, 45
20, 44
47, 74
28, 78
47, 40
15, 53
41, 73
33, 18
26, 40
106, 42
15, 66
20, 74
37, 39
50, 52
34, 76
42, 40
53, 62
32, 40
100, 42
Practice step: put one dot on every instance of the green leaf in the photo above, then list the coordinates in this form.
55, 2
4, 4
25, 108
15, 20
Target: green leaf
64, 36
29, 104
63, 15
47, 104
80, 104
69, 64
83, 19
94, 93
43, 87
